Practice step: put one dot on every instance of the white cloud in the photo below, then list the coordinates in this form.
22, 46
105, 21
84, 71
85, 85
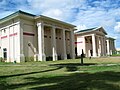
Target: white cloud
82, 13
117, 27
65, 10
55, 13
80, 27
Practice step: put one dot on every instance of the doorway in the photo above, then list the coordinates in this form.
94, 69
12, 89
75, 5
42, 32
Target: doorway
4, 53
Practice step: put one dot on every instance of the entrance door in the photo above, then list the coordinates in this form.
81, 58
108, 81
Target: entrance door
4, 53
91, 52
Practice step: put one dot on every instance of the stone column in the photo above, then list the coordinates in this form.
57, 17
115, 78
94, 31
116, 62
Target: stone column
41, 55
72, 45
104, 41
99, 45
54, 53
0, 43
64, 56
21, 57
8, 49
94, 45
108, 48
84, 45
102, 47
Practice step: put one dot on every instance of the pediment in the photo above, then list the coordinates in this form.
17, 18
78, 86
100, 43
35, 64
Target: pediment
101, 31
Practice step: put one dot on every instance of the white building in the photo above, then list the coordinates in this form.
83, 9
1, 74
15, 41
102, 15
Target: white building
26, 35
94, 42
110, 45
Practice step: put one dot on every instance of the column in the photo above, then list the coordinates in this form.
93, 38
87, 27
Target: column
108, 49
54, 53
110, 46
99, 46
41, 54
0, 43
21, 57
8, 47
94, 45
72, 45
102, 47
84, 45
64, 56
104, 41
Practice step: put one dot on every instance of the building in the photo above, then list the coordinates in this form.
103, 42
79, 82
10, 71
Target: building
110, 46
26, 35
92, 41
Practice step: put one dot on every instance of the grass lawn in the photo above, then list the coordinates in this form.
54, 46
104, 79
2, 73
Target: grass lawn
95, 74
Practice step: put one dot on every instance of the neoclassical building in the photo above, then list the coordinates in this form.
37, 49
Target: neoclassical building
92, 41
26, 35
110, 43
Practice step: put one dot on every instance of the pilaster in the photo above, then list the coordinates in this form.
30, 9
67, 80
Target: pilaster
94, 45
64, 56
21, 57
41, 54
53, 32
72, 45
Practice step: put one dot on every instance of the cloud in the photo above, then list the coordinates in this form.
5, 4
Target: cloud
82, 13
117, 27
65, 10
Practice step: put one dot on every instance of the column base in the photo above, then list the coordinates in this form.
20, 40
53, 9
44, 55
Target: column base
55, 57
20, 58
64, 57
35, 57
41, 57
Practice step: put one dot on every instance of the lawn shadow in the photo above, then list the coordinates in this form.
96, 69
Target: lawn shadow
72, 66
76, 81
106, 80
22, 74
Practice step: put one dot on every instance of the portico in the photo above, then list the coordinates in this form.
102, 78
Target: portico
55, 39
54, 42
92, 41
110, 45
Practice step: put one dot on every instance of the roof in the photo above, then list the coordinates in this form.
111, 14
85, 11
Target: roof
16, 14
54, 20
90, 29
32, 15
111, 38
86, 30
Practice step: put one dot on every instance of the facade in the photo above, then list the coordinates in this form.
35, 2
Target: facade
110, 45
26, 35
92, 41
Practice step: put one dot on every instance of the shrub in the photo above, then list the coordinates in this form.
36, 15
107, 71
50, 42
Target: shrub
1, 59
29, 59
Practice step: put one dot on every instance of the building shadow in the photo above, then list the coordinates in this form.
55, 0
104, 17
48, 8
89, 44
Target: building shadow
76, 81
22, 74
72, 66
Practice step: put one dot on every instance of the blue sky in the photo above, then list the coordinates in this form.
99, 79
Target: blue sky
82, 13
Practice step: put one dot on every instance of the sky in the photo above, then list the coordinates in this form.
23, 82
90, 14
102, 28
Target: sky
82, 13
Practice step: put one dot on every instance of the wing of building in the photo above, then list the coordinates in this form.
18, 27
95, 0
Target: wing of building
94, 42
25, 35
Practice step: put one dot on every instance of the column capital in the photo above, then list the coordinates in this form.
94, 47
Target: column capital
93, 35
39, 24
54, 27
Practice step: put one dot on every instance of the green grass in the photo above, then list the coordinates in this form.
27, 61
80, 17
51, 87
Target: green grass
95, 74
